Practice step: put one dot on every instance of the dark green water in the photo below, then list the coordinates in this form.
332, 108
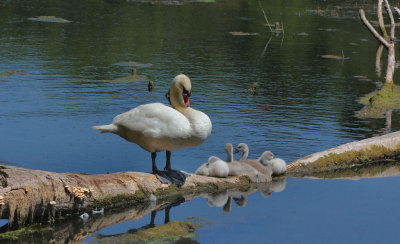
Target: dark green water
305, 103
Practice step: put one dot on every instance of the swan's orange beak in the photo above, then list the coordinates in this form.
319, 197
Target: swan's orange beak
186, 99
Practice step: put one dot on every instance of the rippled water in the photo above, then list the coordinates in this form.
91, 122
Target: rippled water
305, 103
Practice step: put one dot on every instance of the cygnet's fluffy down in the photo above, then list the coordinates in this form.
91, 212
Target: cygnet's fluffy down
277, 165
253, 168
238, 168
215, 167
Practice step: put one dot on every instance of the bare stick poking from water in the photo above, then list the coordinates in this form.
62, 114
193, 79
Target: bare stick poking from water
266, 46
388, 42
265, 16
283, 34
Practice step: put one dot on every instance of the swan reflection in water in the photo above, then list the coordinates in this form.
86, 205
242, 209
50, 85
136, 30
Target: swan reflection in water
224, 199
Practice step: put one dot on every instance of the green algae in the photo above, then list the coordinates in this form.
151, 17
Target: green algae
139, 198
378, 102
346, 160
371, 170
169, 232
12, 72
53, 19
25, 231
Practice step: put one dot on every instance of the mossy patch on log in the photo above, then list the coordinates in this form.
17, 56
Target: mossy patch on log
375, 169
24, 231
169, 232
345, 160
120, 200
380, 101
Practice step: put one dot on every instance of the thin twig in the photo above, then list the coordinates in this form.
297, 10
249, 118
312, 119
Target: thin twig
283, 34
392, 25
266, 46
380, 20
265, 16
397, 10
372, 29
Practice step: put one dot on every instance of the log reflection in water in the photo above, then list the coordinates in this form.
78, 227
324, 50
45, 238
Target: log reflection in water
77, 229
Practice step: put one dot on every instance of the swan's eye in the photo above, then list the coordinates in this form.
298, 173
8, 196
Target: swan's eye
188, 93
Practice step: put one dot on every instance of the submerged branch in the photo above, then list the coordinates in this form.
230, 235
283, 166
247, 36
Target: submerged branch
380, 20
372, 29
265, 16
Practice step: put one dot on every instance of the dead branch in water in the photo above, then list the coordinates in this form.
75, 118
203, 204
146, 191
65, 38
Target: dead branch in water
388, 42
265, 16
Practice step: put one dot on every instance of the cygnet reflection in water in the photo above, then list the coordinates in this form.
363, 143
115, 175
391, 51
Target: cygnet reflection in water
224, 199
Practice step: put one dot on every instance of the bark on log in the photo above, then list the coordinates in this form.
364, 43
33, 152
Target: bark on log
348, 155
29, 196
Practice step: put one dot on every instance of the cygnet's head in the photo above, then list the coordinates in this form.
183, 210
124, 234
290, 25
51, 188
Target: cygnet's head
228, 147
242, 147
266, 156
213, 159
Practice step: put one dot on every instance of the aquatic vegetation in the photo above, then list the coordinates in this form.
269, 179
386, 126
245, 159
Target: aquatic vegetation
302, 34
172, 231
346, 160
12, 72
329, 56
134, 64
380, 101
133, 77
49, 19
25, 231
239, 33
380, 168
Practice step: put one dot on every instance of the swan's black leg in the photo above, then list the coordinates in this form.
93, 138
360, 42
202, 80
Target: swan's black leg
153, 161
166, 217
169, 175
168, 163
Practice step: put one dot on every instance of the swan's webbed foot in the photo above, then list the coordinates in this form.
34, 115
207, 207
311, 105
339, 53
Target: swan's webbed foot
168, 175
175, 177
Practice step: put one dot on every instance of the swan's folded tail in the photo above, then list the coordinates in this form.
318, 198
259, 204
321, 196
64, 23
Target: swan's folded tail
106, 128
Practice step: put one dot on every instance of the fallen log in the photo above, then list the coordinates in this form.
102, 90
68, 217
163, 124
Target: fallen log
35, 196
31, 196
353, 154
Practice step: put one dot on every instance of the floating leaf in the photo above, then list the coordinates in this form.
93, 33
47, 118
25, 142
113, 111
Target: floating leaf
49, 19
329, 56
239, 33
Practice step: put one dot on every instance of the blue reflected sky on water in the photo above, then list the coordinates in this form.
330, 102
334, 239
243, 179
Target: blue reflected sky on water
307, 211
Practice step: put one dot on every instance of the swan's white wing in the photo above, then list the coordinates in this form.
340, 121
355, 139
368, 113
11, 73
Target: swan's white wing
156, 120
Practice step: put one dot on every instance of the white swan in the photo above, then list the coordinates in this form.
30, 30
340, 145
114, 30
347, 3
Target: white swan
215, 167
156, 127
277, 165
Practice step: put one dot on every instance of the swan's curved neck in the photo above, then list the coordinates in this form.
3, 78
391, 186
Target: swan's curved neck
177, 99
229, 154
244, 155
